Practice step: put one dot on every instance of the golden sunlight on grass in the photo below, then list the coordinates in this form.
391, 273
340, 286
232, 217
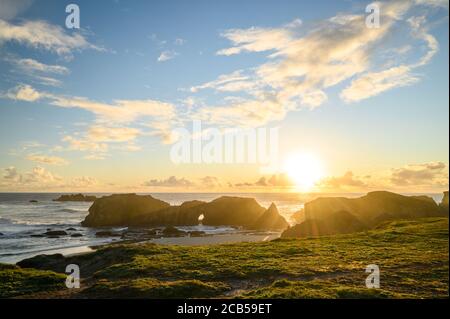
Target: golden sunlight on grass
305, 170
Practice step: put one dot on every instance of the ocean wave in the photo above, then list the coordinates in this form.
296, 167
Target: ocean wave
70, 210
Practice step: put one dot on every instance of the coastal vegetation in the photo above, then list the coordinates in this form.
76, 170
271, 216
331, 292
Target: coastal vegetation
412, 256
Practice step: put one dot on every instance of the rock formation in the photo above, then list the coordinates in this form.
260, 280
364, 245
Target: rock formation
121, 209
331, 215
140, 211
271, 219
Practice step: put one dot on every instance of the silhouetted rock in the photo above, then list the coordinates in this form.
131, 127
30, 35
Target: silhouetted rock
337, 223
55, 233
76, 235
444, 203
271, 220
171, 231
75, 198
121, 209
1, 234
331, 215
143, 211
71, 229
41, 261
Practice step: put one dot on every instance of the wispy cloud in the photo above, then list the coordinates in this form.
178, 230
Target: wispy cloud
44, 159
166, 56
46, 36
304, 62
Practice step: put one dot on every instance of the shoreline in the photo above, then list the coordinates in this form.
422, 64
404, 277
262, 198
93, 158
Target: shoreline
212, 239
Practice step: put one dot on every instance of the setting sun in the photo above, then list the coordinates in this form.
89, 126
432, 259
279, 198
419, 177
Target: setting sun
304, 169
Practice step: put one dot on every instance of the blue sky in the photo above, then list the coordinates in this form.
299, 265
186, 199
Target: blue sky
230, 63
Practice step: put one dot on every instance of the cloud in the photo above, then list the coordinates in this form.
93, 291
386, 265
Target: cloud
172, 181
210, 182
179, 41
81, 144
46, 36
166, 56
83, 182
38, 71
302, 63
23, 92
112, 134
44, 159
10, 173
31, 65
425, 174
274, 181
38, 178
374, 83
348, 180
111, 117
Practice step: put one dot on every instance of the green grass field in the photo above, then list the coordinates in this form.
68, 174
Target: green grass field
412, 257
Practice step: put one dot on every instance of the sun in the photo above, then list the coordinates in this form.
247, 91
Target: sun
305, 170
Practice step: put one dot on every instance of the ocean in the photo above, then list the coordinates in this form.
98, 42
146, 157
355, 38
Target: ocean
21, 220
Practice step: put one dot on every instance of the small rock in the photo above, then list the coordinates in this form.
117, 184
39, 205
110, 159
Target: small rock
56, 233
171, 231
76, 235
1, 234
71, 229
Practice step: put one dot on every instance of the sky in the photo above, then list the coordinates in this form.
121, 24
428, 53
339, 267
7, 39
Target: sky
101, 108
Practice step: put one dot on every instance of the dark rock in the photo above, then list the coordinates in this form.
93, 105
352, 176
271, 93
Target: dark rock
75, 198
107, 233
76, 235
171, 231
55, 233
338, 223
271, 220
331, 215
143, 211
443, 205
37, 236
41, 261
1, 234
121, 209
71, 229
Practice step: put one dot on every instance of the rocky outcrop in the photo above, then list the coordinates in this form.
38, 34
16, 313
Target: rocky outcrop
271, 219
75, 198
332, 215
121, 209
443, 205
337, 223
143, 211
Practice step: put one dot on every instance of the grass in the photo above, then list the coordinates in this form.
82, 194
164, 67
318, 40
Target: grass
15, 281
412, 257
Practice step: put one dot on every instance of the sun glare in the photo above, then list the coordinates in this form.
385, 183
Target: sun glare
304, 169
